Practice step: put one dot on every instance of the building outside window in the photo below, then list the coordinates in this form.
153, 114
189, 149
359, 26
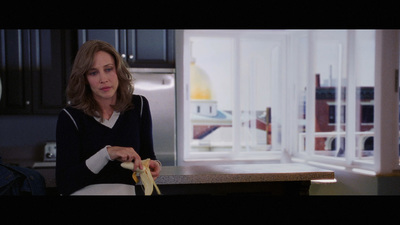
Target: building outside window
257, 95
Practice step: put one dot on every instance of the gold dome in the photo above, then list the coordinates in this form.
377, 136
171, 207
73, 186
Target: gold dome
200, 85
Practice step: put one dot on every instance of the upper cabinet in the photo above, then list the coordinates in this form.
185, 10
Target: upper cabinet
15, 75
139, 47
34, 68
35, 64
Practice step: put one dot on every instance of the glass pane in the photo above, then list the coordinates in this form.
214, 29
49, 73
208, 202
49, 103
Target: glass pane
330, 102
365, 82
301, 60
211, 93
259, 61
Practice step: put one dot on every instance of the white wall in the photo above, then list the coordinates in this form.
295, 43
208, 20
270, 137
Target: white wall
348, 183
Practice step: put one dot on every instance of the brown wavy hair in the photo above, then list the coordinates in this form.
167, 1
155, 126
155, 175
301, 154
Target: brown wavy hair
79, 93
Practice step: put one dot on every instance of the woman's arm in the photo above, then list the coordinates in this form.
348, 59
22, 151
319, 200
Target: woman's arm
146, 142
146, 133
72, 173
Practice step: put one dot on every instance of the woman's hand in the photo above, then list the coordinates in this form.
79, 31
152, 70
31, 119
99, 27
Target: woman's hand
155, 168
125, 154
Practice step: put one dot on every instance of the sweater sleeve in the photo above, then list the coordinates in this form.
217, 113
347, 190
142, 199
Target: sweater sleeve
146, 133
72, 172
97, 161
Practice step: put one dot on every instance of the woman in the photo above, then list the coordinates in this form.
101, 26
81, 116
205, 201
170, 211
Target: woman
103, 126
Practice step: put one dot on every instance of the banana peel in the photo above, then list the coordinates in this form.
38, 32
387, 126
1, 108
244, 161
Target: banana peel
145, 176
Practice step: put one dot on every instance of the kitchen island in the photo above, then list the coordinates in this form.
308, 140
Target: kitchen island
239, 179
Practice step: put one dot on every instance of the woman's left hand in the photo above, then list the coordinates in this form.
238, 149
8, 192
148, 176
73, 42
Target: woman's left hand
155, 168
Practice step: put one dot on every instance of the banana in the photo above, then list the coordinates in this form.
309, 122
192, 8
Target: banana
145, 176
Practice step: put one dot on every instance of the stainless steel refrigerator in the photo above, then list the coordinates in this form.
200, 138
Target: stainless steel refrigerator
158, 86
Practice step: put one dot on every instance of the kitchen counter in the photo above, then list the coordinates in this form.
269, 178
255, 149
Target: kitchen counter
241, 173
259, 179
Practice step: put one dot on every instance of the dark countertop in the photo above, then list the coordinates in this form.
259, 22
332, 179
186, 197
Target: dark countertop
270, 178
241, 173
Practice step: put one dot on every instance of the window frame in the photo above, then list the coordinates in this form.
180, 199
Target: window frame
236, 156
386, 158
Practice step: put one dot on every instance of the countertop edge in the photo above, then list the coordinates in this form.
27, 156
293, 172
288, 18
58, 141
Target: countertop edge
223, 174
239, 178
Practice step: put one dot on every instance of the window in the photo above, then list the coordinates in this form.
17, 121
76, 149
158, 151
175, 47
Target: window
251, 95
332, 114
234, 95
367, 114
343, 102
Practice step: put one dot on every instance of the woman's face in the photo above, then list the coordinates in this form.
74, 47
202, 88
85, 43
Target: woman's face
102, 78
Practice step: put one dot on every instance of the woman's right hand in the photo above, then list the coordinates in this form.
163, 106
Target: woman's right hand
125, 154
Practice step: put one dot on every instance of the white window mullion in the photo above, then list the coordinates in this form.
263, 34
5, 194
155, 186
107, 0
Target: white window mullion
310, 98
276, 101
338, 107
284, 84
351, 116
292, 98
251, 135
236, 120
297, 77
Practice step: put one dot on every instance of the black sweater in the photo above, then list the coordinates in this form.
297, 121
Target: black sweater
76, 143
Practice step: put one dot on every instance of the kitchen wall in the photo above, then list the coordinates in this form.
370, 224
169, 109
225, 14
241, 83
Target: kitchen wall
351, 183
348, 183
23, 137
26, 130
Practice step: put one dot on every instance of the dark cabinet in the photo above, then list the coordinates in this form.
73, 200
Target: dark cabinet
138, 47
35, 64
34, 68
112, 36
15, 71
